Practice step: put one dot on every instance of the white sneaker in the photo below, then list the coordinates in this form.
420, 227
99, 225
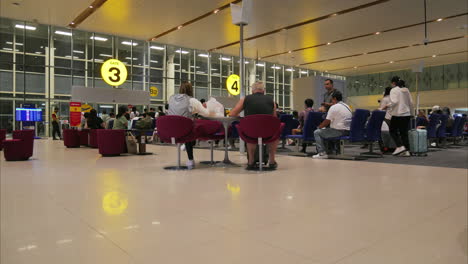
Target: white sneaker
399, 150
321, 155
190, 164
405, 154
182, 147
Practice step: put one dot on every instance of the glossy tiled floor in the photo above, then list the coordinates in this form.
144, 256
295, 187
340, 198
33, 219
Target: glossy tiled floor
73, 206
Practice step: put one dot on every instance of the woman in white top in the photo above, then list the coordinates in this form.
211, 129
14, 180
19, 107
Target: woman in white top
401, 105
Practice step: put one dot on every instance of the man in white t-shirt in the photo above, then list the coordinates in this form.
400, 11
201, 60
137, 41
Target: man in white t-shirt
336, 124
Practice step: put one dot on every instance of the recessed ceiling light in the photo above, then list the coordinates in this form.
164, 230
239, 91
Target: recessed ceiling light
179, 27
276, 67
90, 6
216, 11
290, 70
157, 47
17, 43
260, 65
25, 27
225, 59
391, 61
355, 67
433, 56
98, 38
290, 51
182, 51
440, 19
365, 53
72, 23
129, 43
377, 33
203, 55
329, 43
65, 33
335, 14
304, 72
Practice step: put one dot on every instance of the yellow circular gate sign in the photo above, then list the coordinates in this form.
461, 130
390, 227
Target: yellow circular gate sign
114, 72
154, 91
233, 84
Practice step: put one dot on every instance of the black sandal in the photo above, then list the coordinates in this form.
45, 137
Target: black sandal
273, 166
251, 167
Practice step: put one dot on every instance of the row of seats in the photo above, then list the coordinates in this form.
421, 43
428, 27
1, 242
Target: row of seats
368, 130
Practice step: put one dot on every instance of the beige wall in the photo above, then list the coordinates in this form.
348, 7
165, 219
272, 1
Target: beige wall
455, 98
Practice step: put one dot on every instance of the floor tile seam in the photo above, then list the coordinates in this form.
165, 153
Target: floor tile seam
89, 226
396, 233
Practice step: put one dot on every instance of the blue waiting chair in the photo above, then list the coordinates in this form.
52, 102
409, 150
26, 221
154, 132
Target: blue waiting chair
357, 133
312, 121
441, 131
434, 121
289, 124
373, 133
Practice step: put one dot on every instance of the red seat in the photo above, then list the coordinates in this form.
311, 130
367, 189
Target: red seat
178, 130
84, 137
111, 142
93, 142
260, 129
71, 138
2, 137
21, 147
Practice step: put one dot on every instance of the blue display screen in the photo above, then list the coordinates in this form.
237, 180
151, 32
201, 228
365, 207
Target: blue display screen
29, 114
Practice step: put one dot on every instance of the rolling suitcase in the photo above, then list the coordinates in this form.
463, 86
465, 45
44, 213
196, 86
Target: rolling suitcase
418, 142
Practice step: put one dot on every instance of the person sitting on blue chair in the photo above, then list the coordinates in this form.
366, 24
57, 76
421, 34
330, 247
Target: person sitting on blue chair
336, 124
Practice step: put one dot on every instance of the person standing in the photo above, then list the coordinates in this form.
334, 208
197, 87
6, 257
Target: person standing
327, 96
401, 105
55, 124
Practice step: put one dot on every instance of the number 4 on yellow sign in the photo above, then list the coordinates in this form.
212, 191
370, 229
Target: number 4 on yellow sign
233, 84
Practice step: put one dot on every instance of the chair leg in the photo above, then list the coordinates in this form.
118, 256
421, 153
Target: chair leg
212, 150
371, 153
260, 153
178, 167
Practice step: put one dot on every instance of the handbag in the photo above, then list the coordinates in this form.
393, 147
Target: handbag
131, 142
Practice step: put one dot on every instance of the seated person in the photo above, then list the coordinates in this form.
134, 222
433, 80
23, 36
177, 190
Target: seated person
160, 111
111, 118
308, 104
257, 104
338, 118
121, 120
183, 104
93, 121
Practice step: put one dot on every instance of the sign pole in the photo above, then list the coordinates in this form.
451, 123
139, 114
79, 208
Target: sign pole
242, 79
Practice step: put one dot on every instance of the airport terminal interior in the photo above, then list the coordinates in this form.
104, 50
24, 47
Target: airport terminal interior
234, 132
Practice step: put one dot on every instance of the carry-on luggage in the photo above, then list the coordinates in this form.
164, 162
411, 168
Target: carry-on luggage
418, 142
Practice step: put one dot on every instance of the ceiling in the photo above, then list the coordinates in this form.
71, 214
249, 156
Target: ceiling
143, 19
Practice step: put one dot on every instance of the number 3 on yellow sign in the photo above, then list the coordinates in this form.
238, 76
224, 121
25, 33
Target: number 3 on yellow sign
233, 84
114, 72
